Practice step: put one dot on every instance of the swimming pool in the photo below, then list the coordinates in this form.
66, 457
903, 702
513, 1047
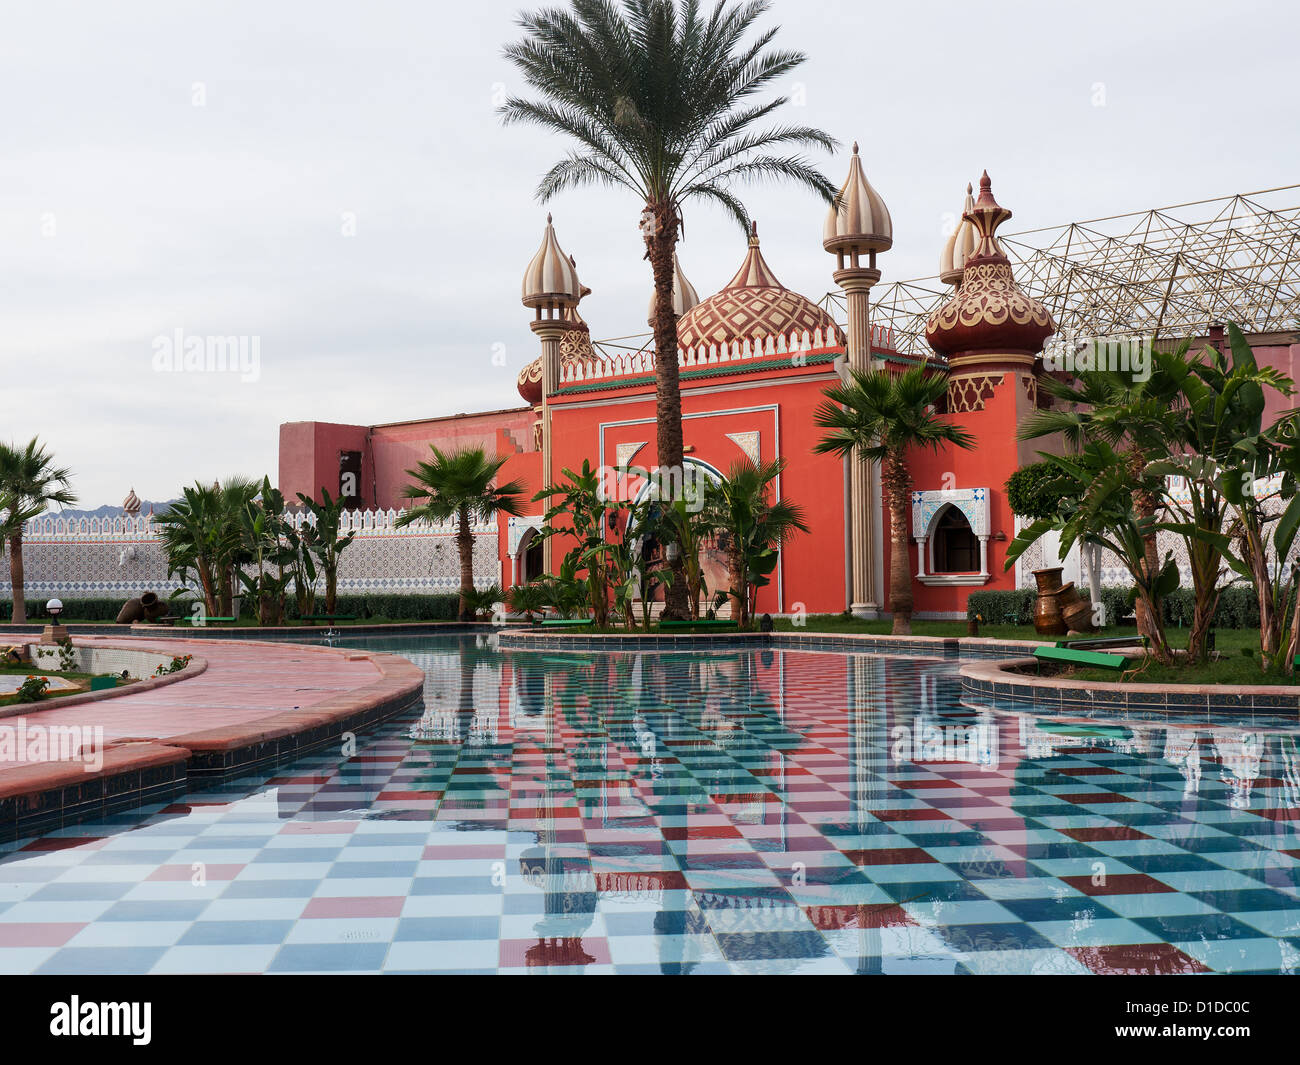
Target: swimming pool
722, 812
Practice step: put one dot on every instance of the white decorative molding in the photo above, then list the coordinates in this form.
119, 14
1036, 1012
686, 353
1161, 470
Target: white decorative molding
517, 529
624, 453
972, 502
748, 443
927, 506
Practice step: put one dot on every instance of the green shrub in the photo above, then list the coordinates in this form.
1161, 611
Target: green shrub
1238, 608
396, 607
1034, 491
432, 607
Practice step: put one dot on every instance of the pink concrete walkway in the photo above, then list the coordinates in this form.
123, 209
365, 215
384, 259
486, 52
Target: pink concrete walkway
245, 681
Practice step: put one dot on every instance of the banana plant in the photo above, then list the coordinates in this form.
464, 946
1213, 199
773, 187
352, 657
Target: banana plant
1099, 510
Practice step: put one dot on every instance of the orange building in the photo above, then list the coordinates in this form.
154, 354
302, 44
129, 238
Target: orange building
755, 360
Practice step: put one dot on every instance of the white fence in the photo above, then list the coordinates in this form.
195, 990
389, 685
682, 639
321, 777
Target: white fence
85, 558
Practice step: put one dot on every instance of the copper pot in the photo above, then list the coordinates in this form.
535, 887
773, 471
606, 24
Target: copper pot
1048, 579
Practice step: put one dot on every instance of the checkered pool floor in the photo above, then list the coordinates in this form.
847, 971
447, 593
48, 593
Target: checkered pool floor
729, 812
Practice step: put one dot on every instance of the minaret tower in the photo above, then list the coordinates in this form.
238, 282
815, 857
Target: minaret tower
856, 229
551, 288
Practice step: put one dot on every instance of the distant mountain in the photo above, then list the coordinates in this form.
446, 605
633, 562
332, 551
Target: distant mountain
111, 511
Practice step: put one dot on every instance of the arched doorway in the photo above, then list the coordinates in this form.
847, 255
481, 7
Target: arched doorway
713, 556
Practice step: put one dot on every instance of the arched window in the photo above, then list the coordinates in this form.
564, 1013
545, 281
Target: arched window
956, 548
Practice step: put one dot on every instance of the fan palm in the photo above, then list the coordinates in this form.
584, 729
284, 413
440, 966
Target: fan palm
202, 536
459, 483
660, 99
29, 483
881, 416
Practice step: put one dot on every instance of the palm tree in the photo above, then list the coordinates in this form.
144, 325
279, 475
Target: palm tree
202, 536
458, 483
882, 415
660, 100
753, 526
1140, 420
29, 483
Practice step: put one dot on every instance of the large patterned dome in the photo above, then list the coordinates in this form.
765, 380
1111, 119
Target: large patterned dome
989, 314
754, 304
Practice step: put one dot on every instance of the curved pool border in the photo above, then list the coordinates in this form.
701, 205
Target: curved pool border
538, 639
39, 797
195, 667
981, 680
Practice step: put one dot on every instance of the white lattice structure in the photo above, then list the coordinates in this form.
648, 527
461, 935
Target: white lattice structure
104, 557
1161, 273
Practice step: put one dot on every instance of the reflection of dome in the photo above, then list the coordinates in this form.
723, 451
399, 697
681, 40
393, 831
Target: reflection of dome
989, 314
684, 295
754, 304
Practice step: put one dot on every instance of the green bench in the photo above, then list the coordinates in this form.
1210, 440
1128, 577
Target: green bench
199, 622
560, 623
1074, 657
706, 623
99, 684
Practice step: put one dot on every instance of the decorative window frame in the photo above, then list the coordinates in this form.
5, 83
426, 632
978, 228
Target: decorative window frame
927, 508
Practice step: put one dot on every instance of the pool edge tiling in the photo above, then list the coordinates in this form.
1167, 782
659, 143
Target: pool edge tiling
762, 810
147, 753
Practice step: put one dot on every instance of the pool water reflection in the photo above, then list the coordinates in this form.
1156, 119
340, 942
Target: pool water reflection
734, 811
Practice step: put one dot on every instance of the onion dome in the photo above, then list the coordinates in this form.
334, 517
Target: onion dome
684, 295
131, 504
551, 280
860, 222
754, 304
989, 315
575, 346
961, 245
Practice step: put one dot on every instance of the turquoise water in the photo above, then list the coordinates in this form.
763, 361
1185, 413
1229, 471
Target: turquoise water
737, 811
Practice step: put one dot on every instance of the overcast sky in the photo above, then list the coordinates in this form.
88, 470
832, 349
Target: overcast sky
331, 179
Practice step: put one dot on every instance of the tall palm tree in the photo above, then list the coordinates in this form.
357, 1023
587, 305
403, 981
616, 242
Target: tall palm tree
741, 508
29, 483
881, 416
660, 100
458, 483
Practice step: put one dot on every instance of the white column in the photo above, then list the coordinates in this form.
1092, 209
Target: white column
984, 556
920, 556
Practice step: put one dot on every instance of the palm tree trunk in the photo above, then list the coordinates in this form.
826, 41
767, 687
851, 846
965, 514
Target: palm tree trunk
661, 241
226, 596
1144, 509
465, 545
739, 593
16, 578
897, 486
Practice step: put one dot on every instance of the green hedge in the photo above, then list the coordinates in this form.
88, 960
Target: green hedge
1238, 607
73, 609
439, 607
